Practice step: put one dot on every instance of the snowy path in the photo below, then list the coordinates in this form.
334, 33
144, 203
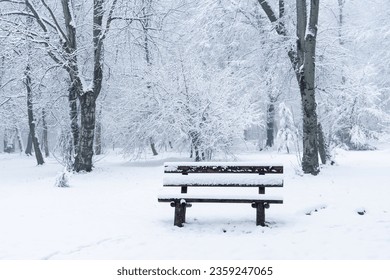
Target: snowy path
113, 213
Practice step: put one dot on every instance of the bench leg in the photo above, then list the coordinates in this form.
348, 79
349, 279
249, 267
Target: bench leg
260, 213
180, 213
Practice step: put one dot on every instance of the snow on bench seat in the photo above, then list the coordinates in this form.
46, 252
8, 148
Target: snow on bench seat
226, 180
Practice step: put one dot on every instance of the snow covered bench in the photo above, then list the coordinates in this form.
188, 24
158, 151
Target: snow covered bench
210, 181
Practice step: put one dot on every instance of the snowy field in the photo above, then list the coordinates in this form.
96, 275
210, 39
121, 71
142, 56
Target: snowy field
113, 213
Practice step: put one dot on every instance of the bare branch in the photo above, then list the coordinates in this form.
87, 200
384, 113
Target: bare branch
2, 86
5, 101
109, 19
36, 15
268, 11
281, 9
313, 20
18, 13
58, 27
70, 29
13, 2
280, 28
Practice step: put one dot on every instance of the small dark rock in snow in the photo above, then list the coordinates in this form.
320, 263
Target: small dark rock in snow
361, 212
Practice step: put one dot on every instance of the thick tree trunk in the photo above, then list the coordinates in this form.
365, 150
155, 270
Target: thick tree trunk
307, 88
75, 87
74, 91
310, 148
303, 62
83, 160
83, 136
31, 120
98, 136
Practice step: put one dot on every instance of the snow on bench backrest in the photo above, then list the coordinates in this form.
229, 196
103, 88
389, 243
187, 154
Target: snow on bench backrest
226, 174
222, 167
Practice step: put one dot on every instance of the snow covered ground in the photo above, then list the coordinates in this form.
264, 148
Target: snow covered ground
113, 213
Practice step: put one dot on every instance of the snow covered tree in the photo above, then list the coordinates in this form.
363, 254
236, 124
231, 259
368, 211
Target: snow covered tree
60, 41
287, 135
303, 62
181, 75
31, 118
350, 85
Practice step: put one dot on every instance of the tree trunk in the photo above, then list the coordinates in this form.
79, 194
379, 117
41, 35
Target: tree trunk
29, 145
9, 141
74, 91
307, 88
197, 155
322, 147
303, 62
195, 141
341, 21
270, 123
83, 160
310, 148
146, 24
45, 141
87, 99
19, 137
98, 136
153, 147
31, 120
82, 136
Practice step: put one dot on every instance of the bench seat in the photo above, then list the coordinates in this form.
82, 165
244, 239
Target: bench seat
221, 198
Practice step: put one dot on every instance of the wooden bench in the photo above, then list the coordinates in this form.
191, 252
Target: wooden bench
211, 177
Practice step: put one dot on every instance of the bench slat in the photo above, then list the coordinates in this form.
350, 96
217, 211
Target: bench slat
219, 167
222, 200
239, 180
230, 197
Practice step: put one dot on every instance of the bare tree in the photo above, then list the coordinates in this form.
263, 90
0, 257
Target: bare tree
60, 43
31, 119
32, 122
146, 24
303, 62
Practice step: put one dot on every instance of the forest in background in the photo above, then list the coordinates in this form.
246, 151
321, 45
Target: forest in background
78, 78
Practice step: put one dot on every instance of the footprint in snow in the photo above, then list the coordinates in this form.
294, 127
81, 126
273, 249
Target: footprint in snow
316, 209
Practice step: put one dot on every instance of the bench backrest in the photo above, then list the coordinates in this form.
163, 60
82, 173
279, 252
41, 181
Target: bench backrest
196, 175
